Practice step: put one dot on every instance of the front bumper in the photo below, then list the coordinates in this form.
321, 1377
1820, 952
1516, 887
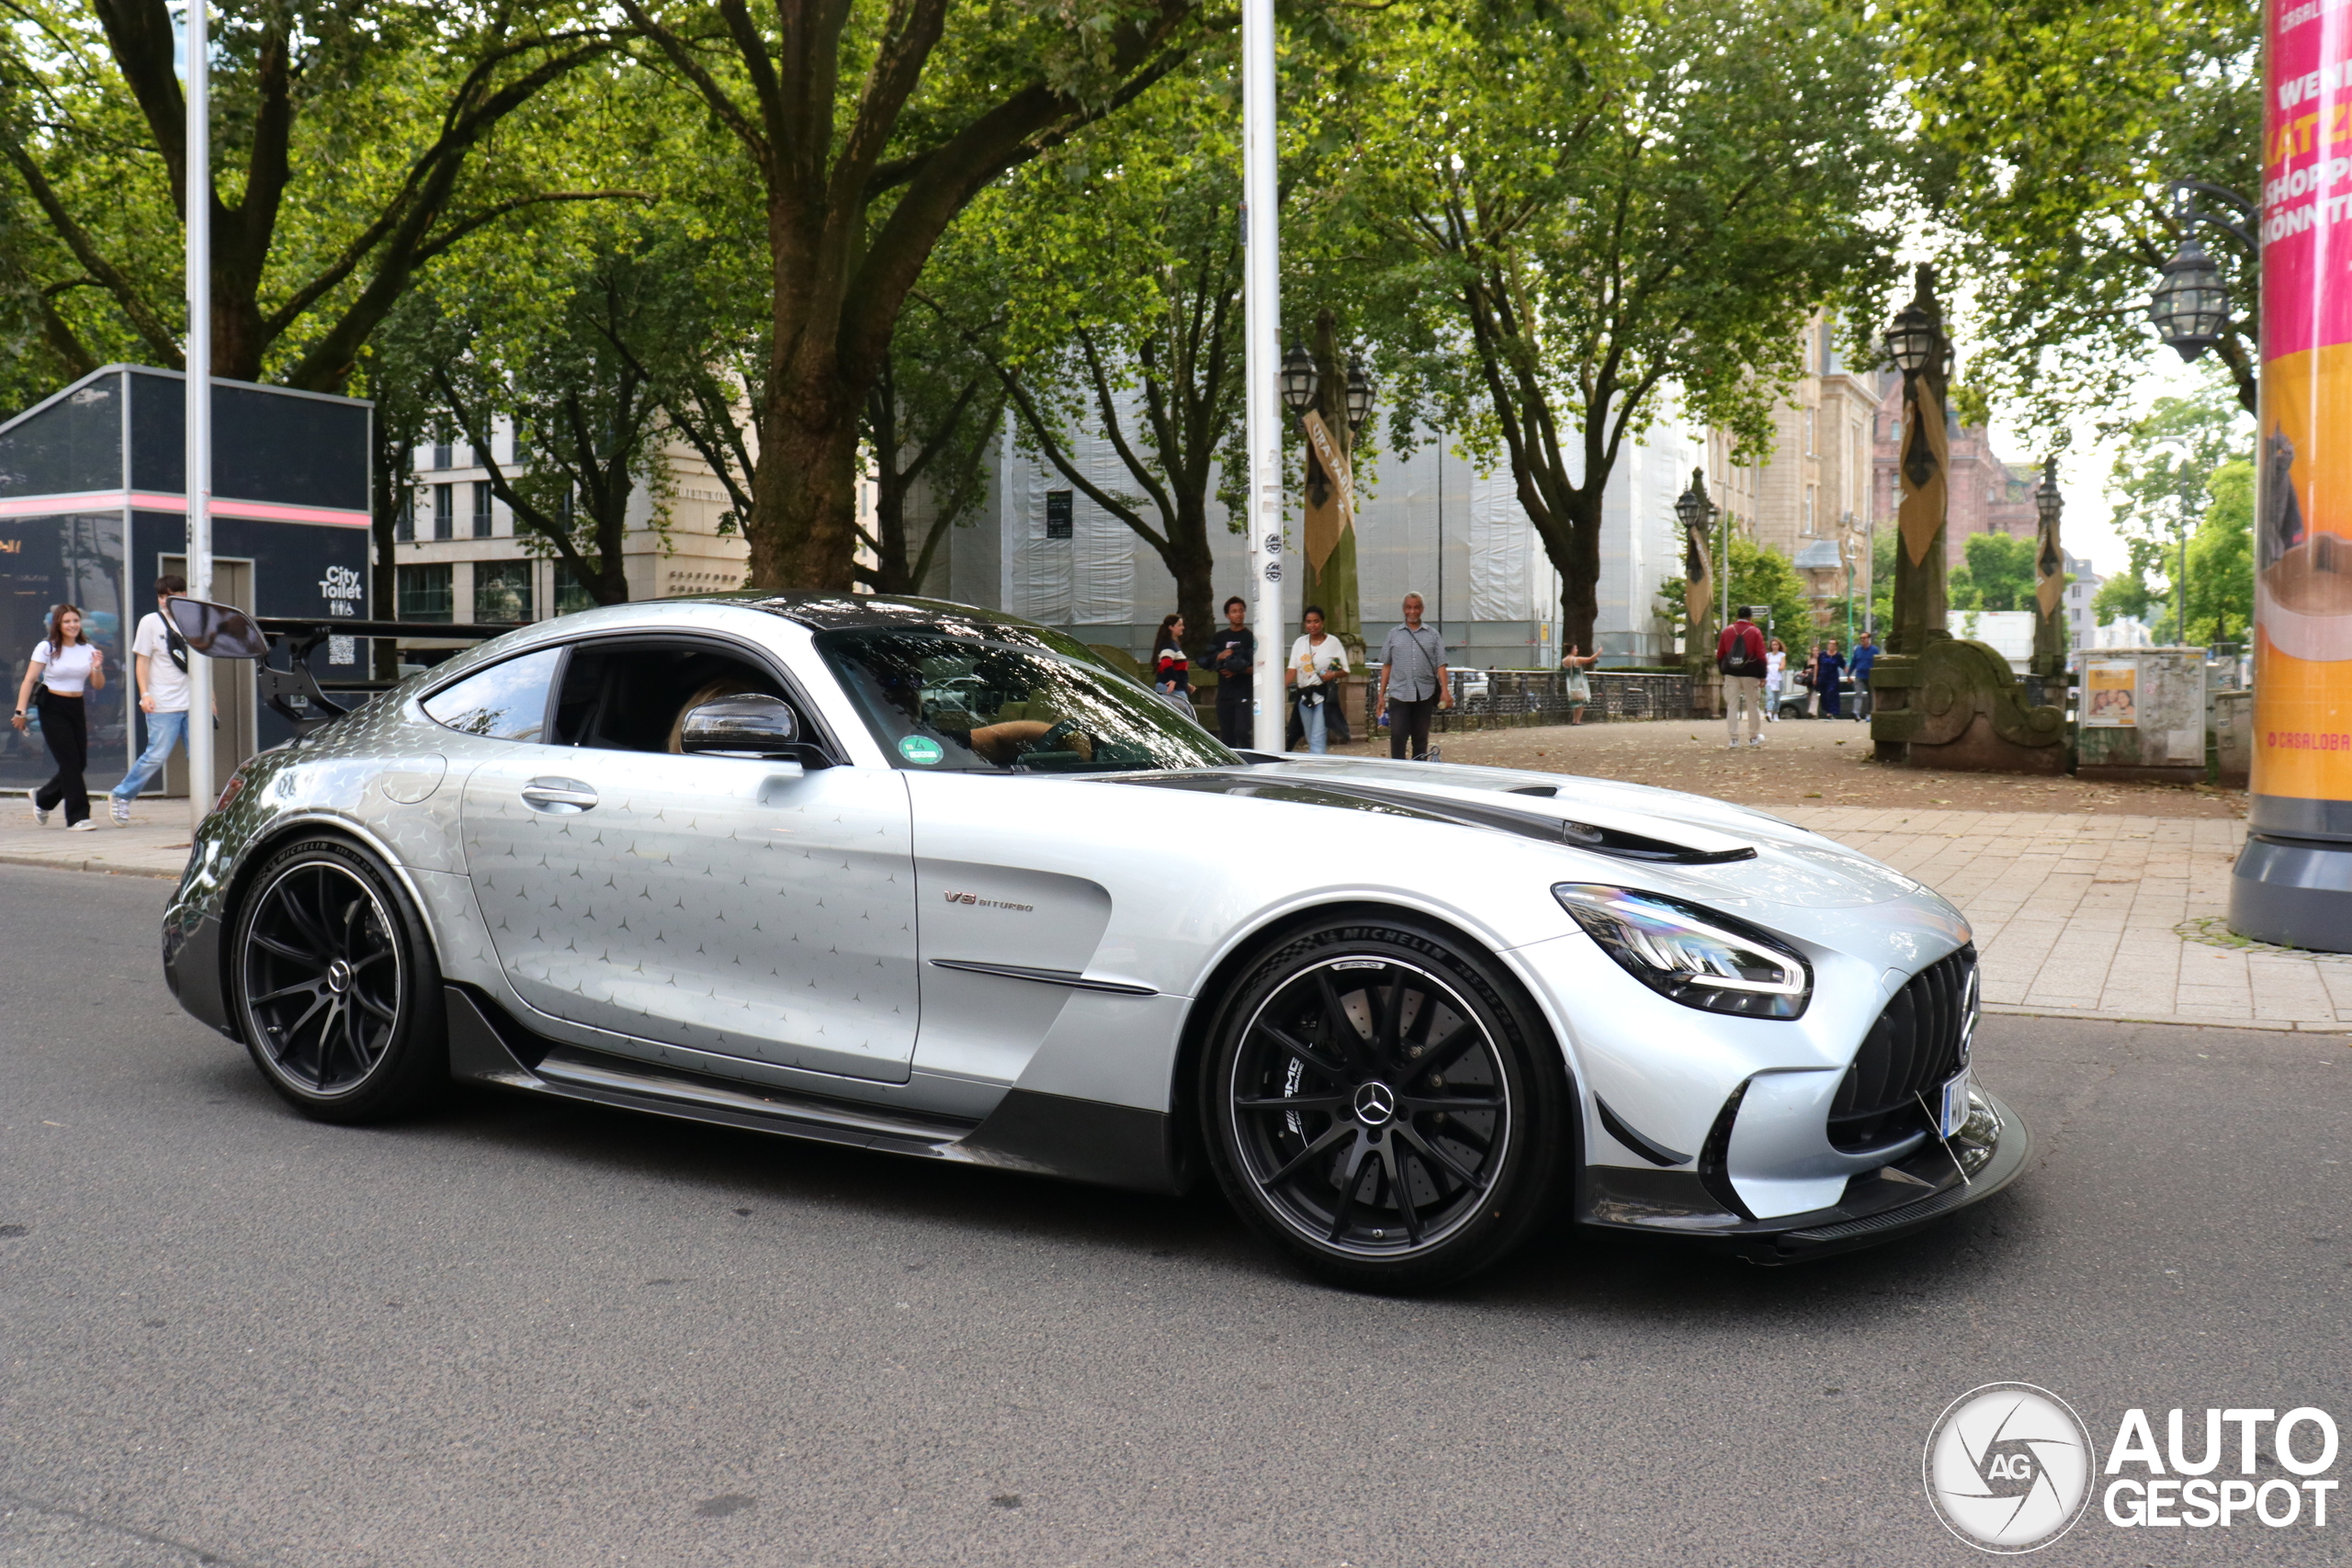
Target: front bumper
1936, 1179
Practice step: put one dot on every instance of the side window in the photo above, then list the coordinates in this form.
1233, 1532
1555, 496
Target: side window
506, 702
634, 697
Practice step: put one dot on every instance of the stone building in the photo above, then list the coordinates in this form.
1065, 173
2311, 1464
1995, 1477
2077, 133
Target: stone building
459, 556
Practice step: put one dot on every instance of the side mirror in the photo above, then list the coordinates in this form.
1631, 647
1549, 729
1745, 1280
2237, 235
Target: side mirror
217, 631
742, 726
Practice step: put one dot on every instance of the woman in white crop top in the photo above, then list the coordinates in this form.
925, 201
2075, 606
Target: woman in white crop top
66, 665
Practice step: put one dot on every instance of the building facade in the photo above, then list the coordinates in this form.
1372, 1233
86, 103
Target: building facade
459, 556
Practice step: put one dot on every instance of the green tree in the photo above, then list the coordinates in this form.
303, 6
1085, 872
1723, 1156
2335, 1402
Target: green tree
2054, 129
1579, 213
348, 157
1999, 574
2220, 559
2124, 597
1760, 575
1120, 312
2161, 478
868, 128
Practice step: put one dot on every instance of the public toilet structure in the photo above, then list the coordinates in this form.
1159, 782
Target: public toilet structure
94, 508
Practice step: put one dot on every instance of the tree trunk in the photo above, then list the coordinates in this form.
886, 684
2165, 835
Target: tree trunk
1193, 566
1577, 556
804, 495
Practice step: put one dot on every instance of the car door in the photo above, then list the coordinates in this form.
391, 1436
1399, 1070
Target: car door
729, 906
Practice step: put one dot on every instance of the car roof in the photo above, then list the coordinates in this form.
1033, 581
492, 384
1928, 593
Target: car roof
827, 611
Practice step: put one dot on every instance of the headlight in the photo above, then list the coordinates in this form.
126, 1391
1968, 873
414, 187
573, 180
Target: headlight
1694, 955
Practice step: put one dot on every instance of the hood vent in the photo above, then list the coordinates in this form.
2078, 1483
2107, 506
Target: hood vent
1347, 794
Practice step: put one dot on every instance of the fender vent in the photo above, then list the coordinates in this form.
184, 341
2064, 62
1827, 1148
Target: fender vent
1917, 1043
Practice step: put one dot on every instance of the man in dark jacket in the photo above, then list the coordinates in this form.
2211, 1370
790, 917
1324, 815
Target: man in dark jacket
1739, 654
1232, 651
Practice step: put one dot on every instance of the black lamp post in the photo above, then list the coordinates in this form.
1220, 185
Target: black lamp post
2191, 306
1359, 392
1915, 342
1298, 378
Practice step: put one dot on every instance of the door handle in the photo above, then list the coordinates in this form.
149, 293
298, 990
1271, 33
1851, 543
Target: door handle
559, 797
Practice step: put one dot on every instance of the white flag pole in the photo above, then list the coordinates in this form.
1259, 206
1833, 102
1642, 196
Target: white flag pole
197, 45
1262, 321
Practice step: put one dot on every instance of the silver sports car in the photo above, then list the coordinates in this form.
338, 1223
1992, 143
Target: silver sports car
915, 877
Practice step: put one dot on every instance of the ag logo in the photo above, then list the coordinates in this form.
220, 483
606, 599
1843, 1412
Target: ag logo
2009, 1467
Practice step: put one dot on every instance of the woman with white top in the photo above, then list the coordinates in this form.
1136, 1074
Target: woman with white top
1317, 663
1577, 687
65, 665
1776, 675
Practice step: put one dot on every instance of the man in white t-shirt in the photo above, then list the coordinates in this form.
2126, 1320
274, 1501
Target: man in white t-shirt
159, 663
1317, 662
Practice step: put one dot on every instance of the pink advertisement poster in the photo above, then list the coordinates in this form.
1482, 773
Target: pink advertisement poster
2303, 532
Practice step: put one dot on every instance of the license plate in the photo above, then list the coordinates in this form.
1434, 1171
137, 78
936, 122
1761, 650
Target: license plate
1951, 1105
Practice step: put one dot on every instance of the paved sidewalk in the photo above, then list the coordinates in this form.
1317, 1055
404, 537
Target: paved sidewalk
2101, 916
155, 844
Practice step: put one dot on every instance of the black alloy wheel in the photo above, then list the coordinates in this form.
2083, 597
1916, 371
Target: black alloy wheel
1384, 1105
334, 987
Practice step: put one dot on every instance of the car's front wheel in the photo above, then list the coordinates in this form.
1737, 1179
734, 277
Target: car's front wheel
334, 986
1383, 1104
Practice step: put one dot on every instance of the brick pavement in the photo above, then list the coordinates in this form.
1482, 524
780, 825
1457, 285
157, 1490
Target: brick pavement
2101, 916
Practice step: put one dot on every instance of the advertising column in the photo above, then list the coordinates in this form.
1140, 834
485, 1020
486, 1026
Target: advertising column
2293, 882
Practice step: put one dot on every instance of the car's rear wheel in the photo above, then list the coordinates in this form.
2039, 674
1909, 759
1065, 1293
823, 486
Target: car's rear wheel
334, 986
1383, 1104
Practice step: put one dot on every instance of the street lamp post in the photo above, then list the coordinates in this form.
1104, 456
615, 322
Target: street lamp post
202, 786
1696, 512
1917, 344
2049, 666
1262, 324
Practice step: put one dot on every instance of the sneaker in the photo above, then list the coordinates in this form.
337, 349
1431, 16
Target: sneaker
84, 826
1756, 740
41, 815
121, 810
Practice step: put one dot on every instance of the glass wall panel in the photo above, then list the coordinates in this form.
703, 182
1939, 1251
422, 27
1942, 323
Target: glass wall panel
75, 444
74, 559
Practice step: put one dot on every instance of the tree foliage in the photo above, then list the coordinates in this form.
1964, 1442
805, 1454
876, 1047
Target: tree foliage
355, 144
2056, 127
866, 127
1584, 213
1998, 574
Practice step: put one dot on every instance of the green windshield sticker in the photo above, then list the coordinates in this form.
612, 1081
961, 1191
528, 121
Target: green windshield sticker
920, 748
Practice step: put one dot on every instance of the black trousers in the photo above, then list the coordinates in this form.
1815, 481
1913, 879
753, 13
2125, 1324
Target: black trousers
65, 724
1234, 715
1409, 722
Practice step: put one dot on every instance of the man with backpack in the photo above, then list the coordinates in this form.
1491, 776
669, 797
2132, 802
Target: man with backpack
1739, 654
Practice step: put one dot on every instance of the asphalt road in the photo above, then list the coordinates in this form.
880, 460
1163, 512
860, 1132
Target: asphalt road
516, 1335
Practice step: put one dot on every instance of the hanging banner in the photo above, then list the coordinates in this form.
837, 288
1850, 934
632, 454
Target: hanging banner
2302, 687
1327, 523
1919, 515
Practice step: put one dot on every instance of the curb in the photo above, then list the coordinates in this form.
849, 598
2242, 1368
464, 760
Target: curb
2269, 1026
51, 863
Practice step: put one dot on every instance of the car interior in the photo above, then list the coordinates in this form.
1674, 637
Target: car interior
635, 696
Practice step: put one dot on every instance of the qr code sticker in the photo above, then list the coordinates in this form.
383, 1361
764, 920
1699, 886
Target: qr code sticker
343, 650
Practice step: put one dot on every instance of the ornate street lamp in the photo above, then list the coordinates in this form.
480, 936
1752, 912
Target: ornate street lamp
2047, 500
1359, 392
2191, 305
1691, 506
1298, 378
1915, 338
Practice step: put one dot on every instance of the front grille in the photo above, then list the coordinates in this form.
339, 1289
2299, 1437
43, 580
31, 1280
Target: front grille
1917, 1043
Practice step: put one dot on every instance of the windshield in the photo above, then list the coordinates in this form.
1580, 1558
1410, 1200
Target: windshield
962, 705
